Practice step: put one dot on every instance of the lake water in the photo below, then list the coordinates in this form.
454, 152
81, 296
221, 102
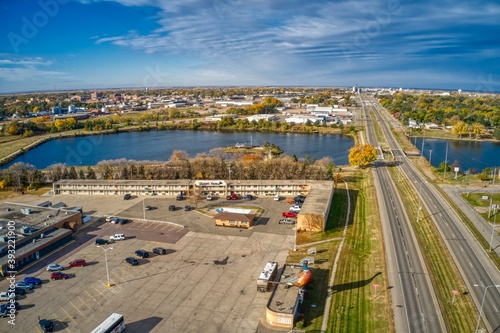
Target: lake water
470, 155
159, 145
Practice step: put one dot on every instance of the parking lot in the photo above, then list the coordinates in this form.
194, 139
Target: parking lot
206, 282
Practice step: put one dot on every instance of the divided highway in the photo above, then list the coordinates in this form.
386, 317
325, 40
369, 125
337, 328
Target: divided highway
476, 269
414, 299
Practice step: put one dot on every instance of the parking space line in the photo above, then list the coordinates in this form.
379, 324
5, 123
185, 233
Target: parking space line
69, 316
125, 271
92, 297
77, 309
85, 303
118, 277
99, 292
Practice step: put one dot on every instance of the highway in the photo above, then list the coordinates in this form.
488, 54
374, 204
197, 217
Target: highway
470, 258
414, 300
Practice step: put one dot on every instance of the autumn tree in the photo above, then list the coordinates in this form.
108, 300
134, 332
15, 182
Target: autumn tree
477, 129
362, 155
459, 128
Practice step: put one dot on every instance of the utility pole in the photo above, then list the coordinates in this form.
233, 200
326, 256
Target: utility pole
423, 141
445, 161
491, 191
430, 157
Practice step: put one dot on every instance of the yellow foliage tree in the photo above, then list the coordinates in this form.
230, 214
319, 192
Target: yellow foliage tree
362, 155
459, 128
478, 129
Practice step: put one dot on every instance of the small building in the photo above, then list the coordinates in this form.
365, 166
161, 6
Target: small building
228, 219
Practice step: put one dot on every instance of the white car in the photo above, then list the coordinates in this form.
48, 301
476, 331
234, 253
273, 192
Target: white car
209, 197
295, 209
54, 267
117, 237
111, 218
277, 197
6, 296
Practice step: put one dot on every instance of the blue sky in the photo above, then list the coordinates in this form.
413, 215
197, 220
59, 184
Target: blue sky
91, 44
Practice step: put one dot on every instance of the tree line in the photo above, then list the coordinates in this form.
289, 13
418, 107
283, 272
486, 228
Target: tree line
213, 165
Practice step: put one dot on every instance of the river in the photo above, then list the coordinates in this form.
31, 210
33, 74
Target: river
159, 145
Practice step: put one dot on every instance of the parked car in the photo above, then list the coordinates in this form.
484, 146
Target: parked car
32, 280
295, 208
54, 267
100, 241
187, 208
17, 291
179, 197
14, 305
6, 296
23, 285
58, 276
232, 196
148, 207
277, 197
159, 250
299, 199
248, 197
5, 308
289, 214
127, 196
46, 325
286, 220
142, 253
210, 197
171, 208
117, 237
121, 221
111, 218
131, 261
78, 263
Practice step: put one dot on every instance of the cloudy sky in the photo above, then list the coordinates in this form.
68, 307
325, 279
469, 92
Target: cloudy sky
90, 44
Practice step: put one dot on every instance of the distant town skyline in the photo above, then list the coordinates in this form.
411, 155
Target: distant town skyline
98, 44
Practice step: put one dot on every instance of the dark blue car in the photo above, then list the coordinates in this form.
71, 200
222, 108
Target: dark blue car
32, 280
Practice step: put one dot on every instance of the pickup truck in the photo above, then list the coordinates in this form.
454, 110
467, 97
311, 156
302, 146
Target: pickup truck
117, 237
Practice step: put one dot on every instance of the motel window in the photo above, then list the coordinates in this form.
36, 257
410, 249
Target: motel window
231, 221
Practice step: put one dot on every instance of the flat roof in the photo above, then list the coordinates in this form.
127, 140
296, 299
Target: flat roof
318, 197
26, 247
284, 297
38, 219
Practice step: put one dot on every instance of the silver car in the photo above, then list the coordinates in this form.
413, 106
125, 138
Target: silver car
54, 267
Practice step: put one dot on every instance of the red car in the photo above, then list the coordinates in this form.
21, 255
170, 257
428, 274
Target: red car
289, 214
78, 263
58, 276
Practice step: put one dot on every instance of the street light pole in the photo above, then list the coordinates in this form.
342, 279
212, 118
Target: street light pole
143, 210
493, 227
106, 260
482, 303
